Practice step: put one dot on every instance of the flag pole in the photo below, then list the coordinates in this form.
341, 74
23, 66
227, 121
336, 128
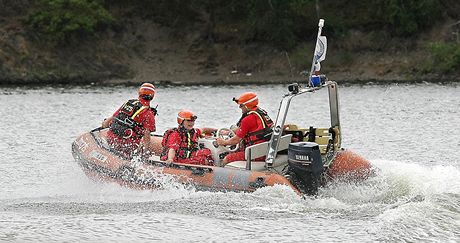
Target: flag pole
317, 53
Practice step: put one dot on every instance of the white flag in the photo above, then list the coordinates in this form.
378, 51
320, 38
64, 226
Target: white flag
320, 49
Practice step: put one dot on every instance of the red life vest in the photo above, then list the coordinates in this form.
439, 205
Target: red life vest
188, 143
124, 124
263, 133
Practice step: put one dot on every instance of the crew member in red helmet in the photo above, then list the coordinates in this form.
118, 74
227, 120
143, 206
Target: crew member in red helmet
130, 126
254, 126
180, 144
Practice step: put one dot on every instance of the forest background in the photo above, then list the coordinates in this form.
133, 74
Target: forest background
226, 41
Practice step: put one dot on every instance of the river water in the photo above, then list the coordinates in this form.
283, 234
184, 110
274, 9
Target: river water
410, 133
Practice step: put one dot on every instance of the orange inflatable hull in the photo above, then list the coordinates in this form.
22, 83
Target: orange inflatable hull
101, 164
349, 165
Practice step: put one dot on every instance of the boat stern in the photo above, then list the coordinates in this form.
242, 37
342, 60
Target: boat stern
350, 165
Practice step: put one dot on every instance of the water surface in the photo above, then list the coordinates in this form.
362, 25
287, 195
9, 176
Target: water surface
409, 132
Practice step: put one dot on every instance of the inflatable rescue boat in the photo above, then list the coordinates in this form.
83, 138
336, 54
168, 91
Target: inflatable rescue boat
302, 158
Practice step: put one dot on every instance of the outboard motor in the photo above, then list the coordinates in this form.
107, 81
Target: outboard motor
305, 166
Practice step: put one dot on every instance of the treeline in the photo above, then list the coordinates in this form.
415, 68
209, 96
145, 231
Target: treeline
281, 23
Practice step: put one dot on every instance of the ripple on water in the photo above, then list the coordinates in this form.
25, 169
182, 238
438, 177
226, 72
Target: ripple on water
405, 129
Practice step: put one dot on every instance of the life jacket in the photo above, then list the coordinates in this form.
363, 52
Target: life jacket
260, 135
124, 124
188, 143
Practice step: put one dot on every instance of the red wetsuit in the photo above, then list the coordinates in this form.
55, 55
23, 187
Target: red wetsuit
251, 125
125, 139
185, 143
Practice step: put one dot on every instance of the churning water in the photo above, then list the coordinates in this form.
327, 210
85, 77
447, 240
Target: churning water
410, 132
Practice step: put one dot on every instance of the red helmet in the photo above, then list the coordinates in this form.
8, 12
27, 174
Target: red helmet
248, 99
185, 115
147, 91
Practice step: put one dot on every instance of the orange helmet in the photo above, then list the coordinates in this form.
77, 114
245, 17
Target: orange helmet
248, 99
147, 91
185, 115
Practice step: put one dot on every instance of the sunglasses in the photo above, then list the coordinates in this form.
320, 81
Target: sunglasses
147, 97
193, 118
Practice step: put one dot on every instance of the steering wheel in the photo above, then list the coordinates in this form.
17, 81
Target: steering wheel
228, 134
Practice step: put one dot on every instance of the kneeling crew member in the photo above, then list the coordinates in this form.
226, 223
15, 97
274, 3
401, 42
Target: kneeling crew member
131, 124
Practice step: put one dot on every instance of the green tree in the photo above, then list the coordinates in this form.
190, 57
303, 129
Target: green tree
60, 20
445, 57
407, 17
276, 21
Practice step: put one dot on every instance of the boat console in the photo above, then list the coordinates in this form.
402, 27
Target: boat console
217, 152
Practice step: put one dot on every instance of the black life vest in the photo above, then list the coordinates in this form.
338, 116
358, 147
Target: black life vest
124, 125
263, 134
188, 143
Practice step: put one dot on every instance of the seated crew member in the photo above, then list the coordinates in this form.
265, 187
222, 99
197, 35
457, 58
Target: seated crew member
130, 126
181, 144
253, 127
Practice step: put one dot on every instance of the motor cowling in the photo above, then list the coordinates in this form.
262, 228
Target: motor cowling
305, 166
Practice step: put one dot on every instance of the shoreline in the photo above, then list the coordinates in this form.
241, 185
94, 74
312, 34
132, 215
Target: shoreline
146, 51
128, 82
